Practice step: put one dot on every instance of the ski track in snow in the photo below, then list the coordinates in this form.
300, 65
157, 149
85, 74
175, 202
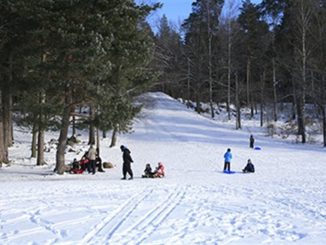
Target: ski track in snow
284, 202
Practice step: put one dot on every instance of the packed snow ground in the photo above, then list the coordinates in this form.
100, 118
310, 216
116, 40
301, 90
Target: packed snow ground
284, 202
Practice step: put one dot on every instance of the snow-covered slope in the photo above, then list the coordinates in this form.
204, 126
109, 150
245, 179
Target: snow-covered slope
284, 202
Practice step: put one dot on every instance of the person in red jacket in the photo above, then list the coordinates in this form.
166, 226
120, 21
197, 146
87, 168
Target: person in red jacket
159, 172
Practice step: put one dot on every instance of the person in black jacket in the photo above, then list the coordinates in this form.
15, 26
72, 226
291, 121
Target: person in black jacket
148, 173
251, 141
250, 168
127, 160
99, 161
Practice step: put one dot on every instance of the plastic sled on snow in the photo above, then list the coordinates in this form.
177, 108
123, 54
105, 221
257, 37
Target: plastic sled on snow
228, 172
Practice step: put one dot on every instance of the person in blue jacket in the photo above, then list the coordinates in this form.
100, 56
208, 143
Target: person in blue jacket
227, 160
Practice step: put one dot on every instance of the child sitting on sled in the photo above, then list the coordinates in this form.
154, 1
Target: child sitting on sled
250, 168
159, 171
76, 167
148, 172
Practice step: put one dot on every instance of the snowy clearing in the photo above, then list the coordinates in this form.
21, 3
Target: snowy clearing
284, 202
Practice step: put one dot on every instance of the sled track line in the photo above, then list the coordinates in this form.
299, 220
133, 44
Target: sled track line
113, 222
154, 218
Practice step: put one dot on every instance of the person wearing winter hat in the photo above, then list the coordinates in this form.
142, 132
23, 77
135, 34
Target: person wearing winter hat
251, 141
227, 160
250, 168
91, 155
127, 160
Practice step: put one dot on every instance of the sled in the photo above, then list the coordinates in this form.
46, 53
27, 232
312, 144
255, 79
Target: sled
257, 148
228, 172
76, 171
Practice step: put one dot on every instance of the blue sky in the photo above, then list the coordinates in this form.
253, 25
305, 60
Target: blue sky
175, 10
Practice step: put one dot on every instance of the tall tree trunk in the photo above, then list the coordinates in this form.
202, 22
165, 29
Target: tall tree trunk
3, 153
8, 105
304, 23
323, 108
60, 155
274, 90
114, 137
7, 124
323, 113
91, 138
301, 124
98, 140
237, 102
73, 126
248, 72
228, 103
188, 80
41, 129
34, 137
198, 105
40, 147
210, 75
294, 100
209, 43
262, 98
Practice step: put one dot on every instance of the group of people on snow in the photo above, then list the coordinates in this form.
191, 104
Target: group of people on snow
249, 168
148, 173
157, 173
92, 161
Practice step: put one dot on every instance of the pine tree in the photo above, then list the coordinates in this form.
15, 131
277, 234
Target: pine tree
253, 31
201, 29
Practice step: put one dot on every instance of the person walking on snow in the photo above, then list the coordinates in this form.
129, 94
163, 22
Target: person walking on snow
227, 160
127, 160
252, 141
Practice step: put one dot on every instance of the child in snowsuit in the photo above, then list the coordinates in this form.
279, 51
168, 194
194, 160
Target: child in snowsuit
127, 160
250, 168
84, 161
159, 171
76, 168
75, 164
227, 160
148, 171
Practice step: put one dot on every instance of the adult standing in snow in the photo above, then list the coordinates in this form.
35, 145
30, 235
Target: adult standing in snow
91, 155
127, 160
227, 160
252, 141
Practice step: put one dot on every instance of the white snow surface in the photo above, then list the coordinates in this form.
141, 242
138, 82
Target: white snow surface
284, 202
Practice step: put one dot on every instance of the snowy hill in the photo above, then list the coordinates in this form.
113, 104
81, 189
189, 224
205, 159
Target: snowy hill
284, 202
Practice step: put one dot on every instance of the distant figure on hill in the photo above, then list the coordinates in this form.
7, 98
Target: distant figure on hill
250, 168
227, 160
127, 160
252, 141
